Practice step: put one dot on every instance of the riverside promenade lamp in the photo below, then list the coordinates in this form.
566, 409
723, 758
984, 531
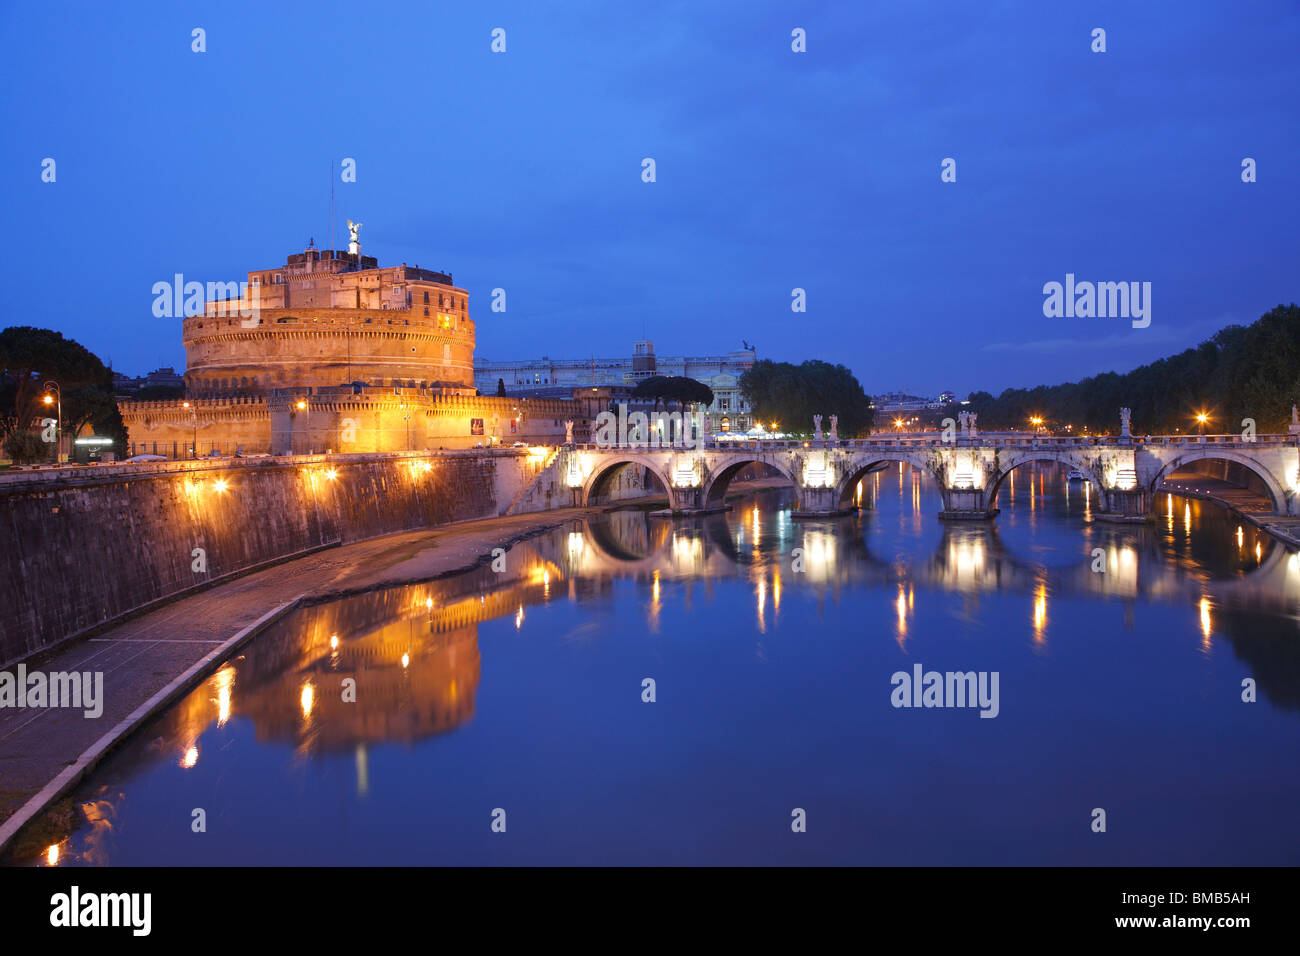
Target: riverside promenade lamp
301, 405
54, 396
194, 417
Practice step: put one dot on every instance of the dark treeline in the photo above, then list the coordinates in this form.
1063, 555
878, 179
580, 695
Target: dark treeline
790, 395
1241, 372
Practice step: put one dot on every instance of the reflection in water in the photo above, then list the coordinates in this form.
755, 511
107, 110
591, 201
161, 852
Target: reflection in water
1040, 612
385, 680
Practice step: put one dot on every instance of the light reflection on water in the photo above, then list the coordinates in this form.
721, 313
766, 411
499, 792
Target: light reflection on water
385, 728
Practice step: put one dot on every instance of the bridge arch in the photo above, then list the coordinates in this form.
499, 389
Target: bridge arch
723, 470
627, 537
1082, 463
598, 481
865, 465
1276, 492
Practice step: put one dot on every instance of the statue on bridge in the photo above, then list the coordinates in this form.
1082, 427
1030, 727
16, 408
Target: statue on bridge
1124, 415
1294, 427
973, 430
568, 431
835, 428
817, 427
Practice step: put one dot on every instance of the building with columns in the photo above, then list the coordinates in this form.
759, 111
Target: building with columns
728, 413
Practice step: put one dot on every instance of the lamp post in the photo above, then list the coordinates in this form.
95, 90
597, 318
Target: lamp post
57, 400
194, 417
1201, 419
406, 419
301, 405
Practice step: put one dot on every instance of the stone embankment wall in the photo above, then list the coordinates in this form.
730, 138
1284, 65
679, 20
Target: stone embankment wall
81, 547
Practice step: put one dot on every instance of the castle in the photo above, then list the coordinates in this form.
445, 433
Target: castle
330, 352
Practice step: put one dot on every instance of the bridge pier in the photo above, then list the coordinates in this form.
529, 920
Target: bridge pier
819, 503
1127, 506
687, 502
966, 504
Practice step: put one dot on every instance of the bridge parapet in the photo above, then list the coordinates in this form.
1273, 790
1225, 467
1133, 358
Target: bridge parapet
969, 472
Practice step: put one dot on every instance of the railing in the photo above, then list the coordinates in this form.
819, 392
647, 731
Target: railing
1050, 442
20, 475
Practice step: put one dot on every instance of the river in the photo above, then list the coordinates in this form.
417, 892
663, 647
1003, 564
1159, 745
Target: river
502, 717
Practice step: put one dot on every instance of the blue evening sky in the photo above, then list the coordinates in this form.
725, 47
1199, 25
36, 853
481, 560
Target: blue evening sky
775, 170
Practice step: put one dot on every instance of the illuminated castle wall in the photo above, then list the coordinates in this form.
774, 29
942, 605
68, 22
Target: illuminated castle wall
332, 352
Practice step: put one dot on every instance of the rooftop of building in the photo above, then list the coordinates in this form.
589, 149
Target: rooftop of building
313, 261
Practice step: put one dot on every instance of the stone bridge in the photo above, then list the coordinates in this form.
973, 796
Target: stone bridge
1124, 472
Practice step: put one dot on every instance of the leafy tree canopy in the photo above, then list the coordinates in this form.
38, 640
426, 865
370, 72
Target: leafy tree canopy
791, 395
30, 357
674, 388
1240, 372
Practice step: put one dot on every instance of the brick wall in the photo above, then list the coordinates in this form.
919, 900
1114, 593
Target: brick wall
83, 546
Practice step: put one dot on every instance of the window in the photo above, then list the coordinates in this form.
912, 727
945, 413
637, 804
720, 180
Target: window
426, 300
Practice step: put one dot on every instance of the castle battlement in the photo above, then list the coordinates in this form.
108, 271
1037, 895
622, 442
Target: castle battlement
330, 351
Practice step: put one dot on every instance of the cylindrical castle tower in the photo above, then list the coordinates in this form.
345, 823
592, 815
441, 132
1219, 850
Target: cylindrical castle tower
330, 318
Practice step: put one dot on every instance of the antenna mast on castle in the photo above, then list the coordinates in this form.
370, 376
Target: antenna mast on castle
331, 208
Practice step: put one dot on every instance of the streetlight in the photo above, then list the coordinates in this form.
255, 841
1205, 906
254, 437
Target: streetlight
1201, 419
55, 399
301, 405
194, 414
1037, 422
406, 418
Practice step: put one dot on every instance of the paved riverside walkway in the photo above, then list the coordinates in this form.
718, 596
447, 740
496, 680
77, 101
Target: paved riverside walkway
1251, 506
151, 660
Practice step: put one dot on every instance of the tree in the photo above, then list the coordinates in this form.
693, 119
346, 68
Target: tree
501, 388
94, 405
674, 388
30, 357
792, 394
1240, 372
25, 448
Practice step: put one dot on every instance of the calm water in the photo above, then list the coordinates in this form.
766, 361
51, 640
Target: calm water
522, 691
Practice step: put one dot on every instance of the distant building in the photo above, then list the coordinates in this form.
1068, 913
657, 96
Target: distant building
900, 402
553, 377
166, 377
